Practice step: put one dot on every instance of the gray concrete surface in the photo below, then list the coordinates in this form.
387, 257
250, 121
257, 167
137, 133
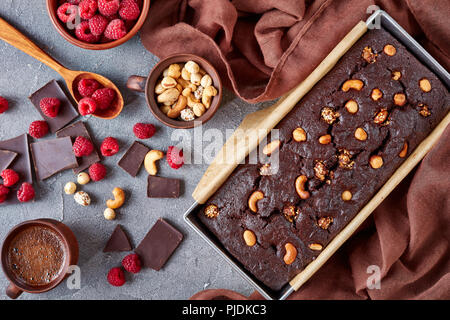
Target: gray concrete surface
194, 266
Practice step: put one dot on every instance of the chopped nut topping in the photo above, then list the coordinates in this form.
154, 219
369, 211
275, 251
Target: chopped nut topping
299, 135
376, 94
329, 115
351, 106
424, 111
249, 238
360, 134
390, 50
325, 139
399, 99
324, 222
346, 195
265, 170
376, 161
396, 75
369, 55
211, 211
290, 213
315, 246
345, 159
381, 116
320, 170
425, 85
404, 150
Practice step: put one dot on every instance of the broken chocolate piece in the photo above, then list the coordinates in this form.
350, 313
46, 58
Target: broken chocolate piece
78, 129
6, 158
159, 187
52, 156
118, 241
21, 165
132, 160
66, 112
159, 244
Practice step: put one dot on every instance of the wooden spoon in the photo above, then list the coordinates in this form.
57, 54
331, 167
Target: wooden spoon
15, 38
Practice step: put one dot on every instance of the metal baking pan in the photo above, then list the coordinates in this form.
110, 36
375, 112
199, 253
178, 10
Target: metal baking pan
379, 19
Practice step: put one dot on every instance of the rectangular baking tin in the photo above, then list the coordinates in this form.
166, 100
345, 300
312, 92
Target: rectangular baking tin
381, 18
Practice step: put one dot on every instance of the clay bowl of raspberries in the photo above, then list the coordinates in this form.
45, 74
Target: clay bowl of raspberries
98, 24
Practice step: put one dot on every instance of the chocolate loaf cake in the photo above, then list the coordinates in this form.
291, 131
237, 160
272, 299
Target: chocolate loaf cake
335, 149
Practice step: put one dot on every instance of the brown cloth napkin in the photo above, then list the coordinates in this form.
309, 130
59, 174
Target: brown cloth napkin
263, 48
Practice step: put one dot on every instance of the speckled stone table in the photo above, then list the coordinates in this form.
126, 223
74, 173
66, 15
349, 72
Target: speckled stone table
194, 266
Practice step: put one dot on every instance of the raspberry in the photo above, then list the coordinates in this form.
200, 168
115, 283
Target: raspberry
88, 8
50, 106
86, 87
175, 157
4, 105
104, 97
38, 129
87, 106
116, 277
98, 24
3, 193
83, 32
115, 29
109, 147
97, 171
67, 12
10, 177
82, 147
132, 263
108, 7
144, 130
129, 10
25, 192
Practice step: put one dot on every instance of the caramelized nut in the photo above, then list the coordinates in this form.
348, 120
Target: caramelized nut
376, 161
396, 75
352, 84
271, 147
404, 150
381, 116
345, 159
300, 187
425, 85
265, 170
369, 55
211, 211
360, 134
399, 99
324, 222
351, 106
315, 246
254, 198
299, 135
390, 50
325, 139
424, 111
291, 253
346, 195
329, 115
320, 170
249, 238
290, 213
376, 94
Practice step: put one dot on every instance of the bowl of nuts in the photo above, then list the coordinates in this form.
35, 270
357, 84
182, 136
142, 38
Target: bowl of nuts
182, 90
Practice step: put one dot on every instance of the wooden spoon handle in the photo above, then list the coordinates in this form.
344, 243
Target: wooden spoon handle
15, 38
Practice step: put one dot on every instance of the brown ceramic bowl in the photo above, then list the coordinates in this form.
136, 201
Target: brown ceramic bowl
147, 85
69, 241
52, 6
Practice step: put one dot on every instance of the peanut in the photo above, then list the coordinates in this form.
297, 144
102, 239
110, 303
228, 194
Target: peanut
325, 139
168, 82
299, 135
351, 106
199, 109
291, 253
150, 161
271, 147
360, 134
315, 246
425, 85
170, 95
174, 71
376, 161
300, 187
253, 199
119, 199
249, 238
352, 84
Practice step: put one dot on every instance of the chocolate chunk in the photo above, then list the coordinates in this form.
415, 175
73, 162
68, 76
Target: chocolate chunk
6, 158
118, 241
52, 156
158, 245
66, 112
132, 160
159, 187
78, 129
21, 164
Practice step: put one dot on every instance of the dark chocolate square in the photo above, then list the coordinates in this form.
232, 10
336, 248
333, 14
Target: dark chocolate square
132, 160
67, 111
159, 187
52, 156
159, 244
6, 158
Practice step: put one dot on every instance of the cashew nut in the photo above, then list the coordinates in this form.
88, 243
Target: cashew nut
176, 109
187, 84
300, 187
186, 92
170, 95
291, 253
191, 100
150, 161
271, 147
254, 198
165, 109
119, 199
352, 84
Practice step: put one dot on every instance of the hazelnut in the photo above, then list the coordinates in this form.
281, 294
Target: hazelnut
324, 222
404, 150
376, 94
211, 211
425, 85
325, 139
360, 134
399, 99
70, 188
206, 81
290, 213
368, 55
249, 238
192, 67
381, 116
346, 195
82, 198
299, 135
320, 170
424, 111
396, 75
329, 115
376, 161
315, 246
351, 106
109, 214
345, 159
390, 50
83, 178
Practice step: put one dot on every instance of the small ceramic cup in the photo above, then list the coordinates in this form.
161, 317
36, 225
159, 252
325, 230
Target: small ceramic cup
147, 85
69, 241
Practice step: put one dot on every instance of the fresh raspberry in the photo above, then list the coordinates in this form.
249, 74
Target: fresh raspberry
104, 97
132, 263
97, 171
3, 193
98, 24
88, 8
144, 130
109, 147
116, 277
4, 105
115, 29
38, 129
10, 177
108, 7
129, 10
25, 192
82, 147
86, 87
83, 32
175, 157
50, 106
67, 12
87, 106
